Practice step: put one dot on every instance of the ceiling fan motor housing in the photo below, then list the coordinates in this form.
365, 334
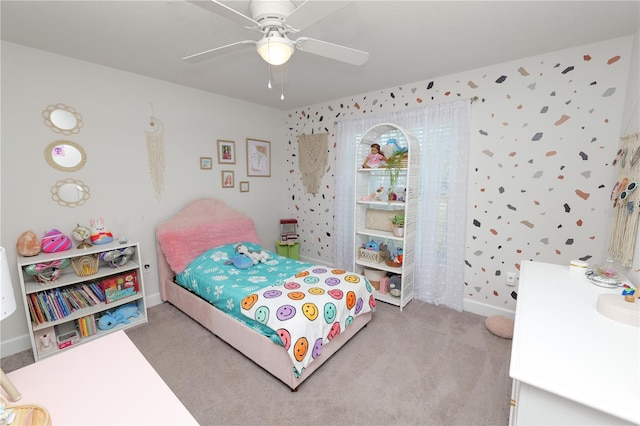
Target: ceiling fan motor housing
270, 13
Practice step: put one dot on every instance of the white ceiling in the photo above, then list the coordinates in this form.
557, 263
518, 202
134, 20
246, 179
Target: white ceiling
408, 41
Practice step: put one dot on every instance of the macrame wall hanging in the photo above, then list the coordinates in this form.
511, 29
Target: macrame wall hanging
312, 159
625, 197
154, 138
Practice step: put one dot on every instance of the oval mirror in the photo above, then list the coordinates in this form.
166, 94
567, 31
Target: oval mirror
62, 119
70, 192
66, 156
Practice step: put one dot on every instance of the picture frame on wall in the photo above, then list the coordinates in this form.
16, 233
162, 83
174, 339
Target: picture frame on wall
206, 163
258, 158
226, 152
244, 186
227, 179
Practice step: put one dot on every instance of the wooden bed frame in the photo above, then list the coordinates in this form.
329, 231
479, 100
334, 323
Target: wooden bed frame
253, 345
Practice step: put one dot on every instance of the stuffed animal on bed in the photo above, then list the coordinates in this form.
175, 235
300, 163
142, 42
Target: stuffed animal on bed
255, 256
240, 261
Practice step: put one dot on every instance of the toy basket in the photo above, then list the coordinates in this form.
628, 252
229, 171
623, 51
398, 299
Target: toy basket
369, 255
85, 265
27, 414
393, 264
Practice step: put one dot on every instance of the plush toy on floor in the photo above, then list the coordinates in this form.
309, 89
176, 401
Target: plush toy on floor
120, 315
500, 325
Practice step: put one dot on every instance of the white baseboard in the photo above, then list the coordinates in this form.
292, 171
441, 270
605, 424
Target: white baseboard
15, 345
22, 343
314, 261
475, 307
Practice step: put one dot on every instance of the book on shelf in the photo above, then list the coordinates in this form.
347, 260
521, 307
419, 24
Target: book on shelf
36, 315
120, 286
58, 303
97, 290
87, 326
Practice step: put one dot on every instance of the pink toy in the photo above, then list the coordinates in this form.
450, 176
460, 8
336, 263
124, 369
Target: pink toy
54, 241
99, 232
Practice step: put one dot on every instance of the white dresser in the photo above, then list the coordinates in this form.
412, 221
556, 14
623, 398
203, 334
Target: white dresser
569, 363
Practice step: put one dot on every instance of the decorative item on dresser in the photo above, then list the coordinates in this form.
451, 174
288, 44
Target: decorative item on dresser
389, 220
76, 298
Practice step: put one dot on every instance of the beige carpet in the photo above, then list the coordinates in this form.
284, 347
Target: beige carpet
423, 366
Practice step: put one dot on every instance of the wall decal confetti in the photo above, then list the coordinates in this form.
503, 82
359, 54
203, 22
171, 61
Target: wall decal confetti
520, 207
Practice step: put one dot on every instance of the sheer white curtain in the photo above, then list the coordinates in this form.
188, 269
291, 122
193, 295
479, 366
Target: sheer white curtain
443, 132
442, 206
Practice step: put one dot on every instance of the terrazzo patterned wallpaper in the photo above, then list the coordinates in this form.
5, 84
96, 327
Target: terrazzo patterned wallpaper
544, 132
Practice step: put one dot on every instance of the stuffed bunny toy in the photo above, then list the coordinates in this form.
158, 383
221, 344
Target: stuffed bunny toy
99, 232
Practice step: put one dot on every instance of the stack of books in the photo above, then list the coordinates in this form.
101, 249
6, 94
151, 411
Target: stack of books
57, 303
87, 326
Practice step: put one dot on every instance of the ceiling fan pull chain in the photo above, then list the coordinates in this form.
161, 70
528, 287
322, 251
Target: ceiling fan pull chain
282, 85
269, 85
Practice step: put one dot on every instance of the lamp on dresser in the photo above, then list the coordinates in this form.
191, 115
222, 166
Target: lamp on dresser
7, 307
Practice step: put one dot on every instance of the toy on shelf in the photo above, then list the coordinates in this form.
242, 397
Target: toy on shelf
370, 252
99, 232
395, 285
118, 257
119, 316
288, 231
375, 196
55, 241
375, 158
82, 234
47, 271
395, 261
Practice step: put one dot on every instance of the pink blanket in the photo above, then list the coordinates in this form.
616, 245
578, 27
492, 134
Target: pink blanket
203, 224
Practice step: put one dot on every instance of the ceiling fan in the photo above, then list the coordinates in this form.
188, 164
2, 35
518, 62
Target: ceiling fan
275, 19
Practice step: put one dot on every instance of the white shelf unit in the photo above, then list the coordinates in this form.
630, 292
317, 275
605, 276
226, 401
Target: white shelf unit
69, 277
367, 181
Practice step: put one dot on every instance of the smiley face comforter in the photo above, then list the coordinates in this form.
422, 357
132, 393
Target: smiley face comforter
297, 305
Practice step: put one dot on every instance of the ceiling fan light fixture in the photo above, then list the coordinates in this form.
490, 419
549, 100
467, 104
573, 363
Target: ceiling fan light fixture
275, 50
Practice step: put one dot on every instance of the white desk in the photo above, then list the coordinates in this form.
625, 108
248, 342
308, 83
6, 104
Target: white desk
570, 364
107, 382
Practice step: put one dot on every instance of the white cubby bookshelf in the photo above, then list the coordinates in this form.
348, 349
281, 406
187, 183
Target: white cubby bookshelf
70, 278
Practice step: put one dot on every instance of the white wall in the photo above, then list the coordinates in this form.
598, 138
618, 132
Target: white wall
115, 107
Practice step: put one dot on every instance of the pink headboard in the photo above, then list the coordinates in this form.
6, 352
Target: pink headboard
201, 225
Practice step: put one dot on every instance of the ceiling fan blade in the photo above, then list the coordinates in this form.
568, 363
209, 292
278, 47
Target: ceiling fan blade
332, 51
223, 50
310, 12
226, 12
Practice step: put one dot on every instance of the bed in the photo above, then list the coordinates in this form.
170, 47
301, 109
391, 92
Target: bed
204, 236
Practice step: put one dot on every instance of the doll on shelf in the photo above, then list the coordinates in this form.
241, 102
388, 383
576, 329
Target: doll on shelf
375, 158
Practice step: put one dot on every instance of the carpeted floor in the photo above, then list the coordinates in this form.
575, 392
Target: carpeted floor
425, 365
